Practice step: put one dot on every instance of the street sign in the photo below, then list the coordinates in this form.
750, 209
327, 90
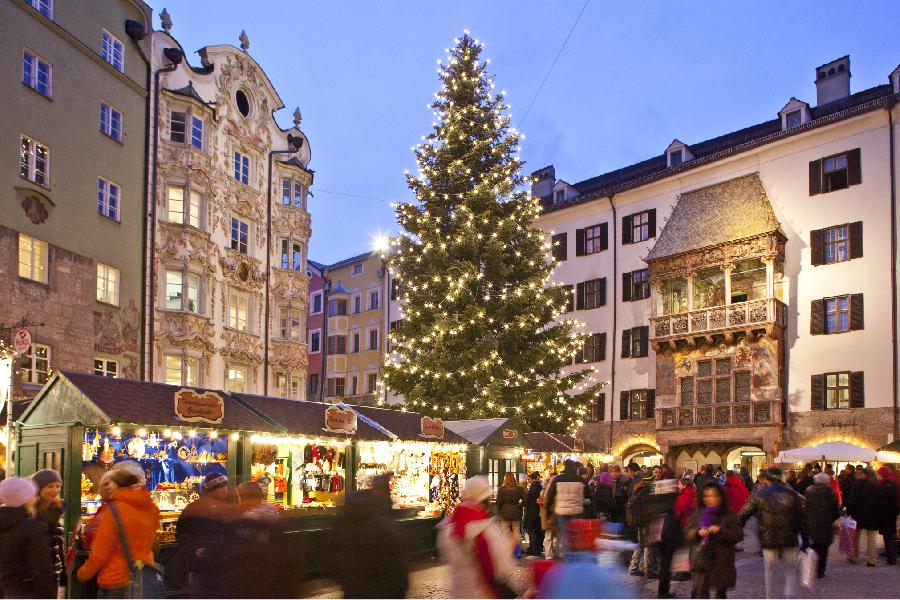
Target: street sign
21, 340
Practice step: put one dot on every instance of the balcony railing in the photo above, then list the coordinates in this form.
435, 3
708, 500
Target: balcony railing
732, 414
739, 315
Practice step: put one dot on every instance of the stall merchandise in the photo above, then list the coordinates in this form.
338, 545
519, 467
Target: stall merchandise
301, 474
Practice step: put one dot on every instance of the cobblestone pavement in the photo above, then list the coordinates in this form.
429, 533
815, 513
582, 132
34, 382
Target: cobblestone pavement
843, 580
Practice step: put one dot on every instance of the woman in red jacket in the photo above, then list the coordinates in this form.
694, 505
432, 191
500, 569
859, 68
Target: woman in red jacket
686, 502
737, 492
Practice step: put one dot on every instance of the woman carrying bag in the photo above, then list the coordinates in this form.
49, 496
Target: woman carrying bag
713, 532
510, 502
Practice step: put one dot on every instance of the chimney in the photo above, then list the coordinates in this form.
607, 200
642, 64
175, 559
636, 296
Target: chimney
833, 81
544, 181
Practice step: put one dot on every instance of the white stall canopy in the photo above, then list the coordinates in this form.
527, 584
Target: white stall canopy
835, 452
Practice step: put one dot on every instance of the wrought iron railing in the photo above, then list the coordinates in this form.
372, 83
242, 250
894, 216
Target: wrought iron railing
731, 414
720, 318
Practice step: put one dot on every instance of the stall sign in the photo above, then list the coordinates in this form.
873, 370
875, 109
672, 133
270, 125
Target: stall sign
338, 420
21, 340
432, 428
578, 446
191, 405
510, 434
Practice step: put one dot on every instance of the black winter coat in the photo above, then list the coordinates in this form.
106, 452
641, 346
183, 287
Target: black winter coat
510, 503
822, 510
51, 516
888, 512
26, 570
781, 516
532, 510
604, 501
867, 505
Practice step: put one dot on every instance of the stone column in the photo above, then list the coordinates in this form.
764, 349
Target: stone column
728, 269
690, 290
770, 276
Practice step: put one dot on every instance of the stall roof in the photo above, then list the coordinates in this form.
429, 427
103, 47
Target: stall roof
71, 397
500, 431
542, 441
406, 425
299, 417
18, 407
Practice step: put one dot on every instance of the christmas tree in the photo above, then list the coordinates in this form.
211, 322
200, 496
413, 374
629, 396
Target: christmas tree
480, 336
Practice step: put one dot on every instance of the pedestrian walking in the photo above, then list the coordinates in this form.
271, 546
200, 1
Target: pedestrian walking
620, 494
822, 510
684, 508
137, 523
744, 474
713, 533
865, 507
548, 523
532, 515
737, 492
781, 522
368, 554
569, 496
637, 520
26, 568
603, 501
49, 509
887, 490
510, 503
478, 552
664, 534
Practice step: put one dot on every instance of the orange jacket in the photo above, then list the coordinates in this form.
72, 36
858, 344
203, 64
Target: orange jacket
140, 520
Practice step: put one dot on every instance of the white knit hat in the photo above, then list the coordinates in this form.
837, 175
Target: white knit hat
133, 467
477, 489
16, 491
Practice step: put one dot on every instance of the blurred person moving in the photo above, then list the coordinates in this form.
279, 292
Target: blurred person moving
137, 523
532, 515
713, 532
569, 496
890, 496
548, 523
865, 507
822, 510
368, 553
203, 535
26, 568
478, 552
509, 503
49, 509
781, 522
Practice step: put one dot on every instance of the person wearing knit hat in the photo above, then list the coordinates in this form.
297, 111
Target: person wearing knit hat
45, 477
201, 531
49, 509
133, 467
822, 510
25, 565
216, 485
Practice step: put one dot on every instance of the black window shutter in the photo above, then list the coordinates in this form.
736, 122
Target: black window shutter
854, 167
817, 317
626, 287
857, 390
645, 334
603, 292
817, 392
623, 405
570, 303
626, 230
651, 221
626, 343
602, 351
817, 246
857, 320
604, 236
579, 242
651, 404
856, 239
601, 407
579, 296
815, 177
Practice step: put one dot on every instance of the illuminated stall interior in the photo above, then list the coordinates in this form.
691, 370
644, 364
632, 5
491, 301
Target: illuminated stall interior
545, 452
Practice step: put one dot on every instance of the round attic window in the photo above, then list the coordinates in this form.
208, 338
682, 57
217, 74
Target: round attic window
243, 103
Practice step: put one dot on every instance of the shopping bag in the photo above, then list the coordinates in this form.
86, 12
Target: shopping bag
847, 538
808, 562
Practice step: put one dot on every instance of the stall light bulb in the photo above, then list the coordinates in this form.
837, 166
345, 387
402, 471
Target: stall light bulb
142, 432
177, 435
192, 433
235, 436
117, 431
214, 434
167, 433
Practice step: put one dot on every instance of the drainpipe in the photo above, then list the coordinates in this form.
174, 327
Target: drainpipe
889, 105
615, 305
137, 32
294, 143
324, 342
175, 57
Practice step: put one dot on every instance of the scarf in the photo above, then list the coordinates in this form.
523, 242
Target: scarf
707, 516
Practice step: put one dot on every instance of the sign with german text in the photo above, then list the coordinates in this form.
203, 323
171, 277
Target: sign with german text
338, 420
192, 406
432, 428
21, 340
510, 434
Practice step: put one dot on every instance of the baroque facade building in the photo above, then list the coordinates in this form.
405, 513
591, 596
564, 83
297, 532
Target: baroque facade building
741, 291
230, 228
72, 217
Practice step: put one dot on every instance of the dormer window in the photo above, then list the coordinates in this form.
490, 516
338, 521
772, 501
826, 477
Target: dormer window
676, 157
794, 114
559, 196
793, 119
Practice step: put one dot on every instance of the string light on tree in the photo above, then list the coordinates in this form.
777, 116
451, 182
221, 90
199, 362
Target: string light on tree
482, 333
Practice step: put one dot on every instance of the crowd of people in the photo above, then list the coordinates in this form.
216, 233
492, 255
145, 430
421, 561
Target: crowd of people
663, 513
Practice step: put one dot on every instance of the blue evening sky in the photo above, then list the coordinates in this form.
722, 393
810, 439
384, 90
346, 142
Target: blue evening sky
633, 76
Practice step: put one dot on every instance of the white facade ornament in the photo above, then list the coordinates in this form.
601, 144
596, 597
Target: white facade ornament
165, 20
245, 41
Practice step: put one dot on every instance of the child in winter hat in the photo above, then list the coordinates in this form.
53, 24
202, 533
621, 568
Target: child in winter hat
17, 492
45, 477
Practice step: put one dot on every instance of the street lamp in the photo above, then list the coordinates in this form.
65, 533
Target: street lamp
7, 361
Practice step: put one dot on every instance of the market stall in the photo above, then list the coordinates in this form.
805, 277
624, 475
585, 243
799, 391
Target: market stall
838, 453
496, 447
428, 461
308, 467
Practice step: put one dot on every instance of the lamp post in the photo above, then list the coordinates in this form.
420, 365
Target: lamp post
7, 359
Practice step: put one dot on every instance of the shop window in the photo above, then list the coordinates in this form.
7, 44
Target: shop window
36, 365
111, 121
33, 255
494, 473
34, 163
106, 367
241, 168
177, 126
113, 51
108, 198
36, 73
240, 234
179, 211
559, 246
107, 284
182, 291
236, 380
238, 311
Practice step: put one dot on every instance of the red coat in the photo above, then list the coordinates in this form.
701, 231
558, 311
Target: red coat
737, 493
685, 505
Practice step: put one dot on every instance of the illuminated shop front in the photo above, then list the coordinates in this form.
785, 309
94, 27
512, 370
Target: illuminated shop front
546, 452
496, 447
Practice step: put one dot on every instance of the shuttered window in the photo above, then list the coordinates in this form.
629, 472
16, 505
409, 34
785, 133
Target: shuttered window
838, 314
639, 227
598, 408
559, 244
832, 391
636, 285
836, 244
635, 342
591, 294
594, 348
637, 404
591, 240
835, 172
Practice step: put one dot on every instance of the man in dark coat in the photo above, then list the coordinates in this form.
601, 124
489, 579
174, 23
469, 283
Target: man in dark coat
532, 519
887, 488
781, 520
26, 569
867, 508
822, 510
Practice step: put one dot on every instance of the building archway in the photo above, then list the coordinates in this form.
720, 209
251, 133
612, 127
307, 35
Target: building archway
642, 454
753, 458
